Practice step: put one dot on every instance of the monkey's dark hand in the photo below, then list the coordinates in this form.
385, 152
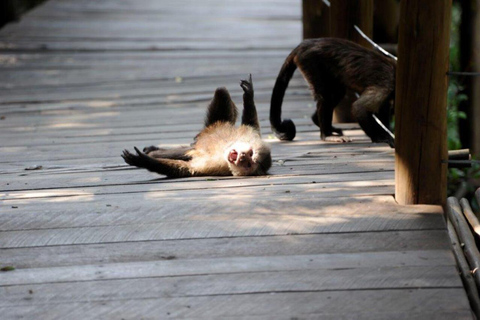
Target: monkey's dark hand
147, 150
247, 86
139, 160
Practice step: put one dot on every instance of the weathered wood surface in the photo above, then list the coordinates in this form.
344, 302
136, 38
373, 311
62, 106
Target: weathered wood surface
91, 238
421, 103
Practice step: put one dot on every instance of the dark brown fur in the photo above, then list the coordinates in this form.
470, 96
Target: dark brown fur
332, 66
220, 149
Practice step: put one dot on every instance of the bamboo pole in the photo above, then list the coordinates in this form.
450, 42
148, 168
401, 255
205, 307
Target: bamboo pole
465, 272
455, 215
471, 217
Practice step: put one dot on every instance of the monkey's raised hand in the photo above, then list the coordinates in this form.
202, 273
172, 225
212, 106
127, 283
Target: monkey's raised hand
249, 115
247, 86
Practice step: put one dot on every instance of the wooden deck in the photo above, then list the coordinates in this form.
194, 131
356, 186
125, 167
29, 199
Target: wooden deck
91, 238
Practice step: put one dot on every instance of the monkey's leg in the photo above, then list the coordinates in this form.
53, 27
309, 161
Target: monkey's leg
174, 154
326, 103
170, 168
315, 118
249, 115
221, 108
384, 114
370, 102
149, 149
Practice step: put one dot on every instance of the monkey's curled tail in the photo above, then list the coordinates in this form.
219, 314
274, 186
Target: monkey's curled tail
284, 130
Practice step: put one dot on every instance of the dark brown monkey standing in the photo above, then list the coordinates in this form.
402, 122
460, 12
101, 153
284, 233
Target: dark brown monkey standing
331, 66
220, 149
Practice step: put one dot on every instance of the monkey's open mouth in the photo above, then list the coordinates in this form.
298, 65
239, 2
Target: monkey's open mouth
232, 156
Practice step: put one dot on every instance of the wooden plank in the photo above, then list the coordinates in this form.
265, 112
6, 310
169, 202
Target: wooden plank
44, 180
17, 177
138, 209
119, 114
182, 268
378, 183
54, 169
112, 150
291, 245
199, 229
233, 284
364, 304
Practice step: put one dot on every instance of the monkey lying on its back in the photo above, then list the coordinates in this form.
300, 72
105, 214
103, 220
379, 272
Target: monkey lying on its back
220, 149
331, 66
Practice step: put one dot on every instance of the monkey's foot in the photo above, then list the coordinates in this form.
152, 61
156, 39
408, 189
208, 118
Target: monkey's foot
390, 141
139, 160
338, 131
147, 150
338, 139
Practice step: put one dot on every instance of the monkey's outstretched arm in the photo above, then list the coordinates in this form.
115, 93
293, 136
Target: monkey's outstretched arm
170, 168
249, 116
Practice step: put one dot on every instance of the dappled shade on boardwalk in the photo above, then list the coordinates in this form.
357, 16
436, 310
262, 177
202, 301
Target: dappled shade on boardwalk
90, 237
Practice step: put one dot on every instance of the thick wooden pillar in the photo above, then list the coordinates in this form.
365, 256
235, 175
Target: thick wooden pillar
421, 97
316, 19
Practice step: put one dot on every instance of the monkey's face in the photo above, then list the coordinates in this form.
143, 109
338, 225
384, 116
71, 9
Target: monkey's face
241, 159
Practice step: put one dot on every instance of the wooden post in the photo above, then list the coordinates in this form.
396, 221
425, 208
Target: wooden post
347, 13
421, 97
475, 97
469, 128
385, 21
316, 19
344, 15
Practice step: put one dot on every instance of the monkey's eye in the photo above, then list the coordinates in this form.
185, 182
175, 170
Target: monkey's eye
250, 153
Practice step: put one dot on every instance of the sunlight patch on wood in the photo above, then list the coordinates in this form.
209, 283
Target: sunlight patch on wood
49, 196
101, 104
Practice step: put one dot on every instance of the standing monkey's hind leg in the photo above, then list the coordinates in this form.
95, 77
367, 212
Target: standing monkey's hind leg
371, 101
